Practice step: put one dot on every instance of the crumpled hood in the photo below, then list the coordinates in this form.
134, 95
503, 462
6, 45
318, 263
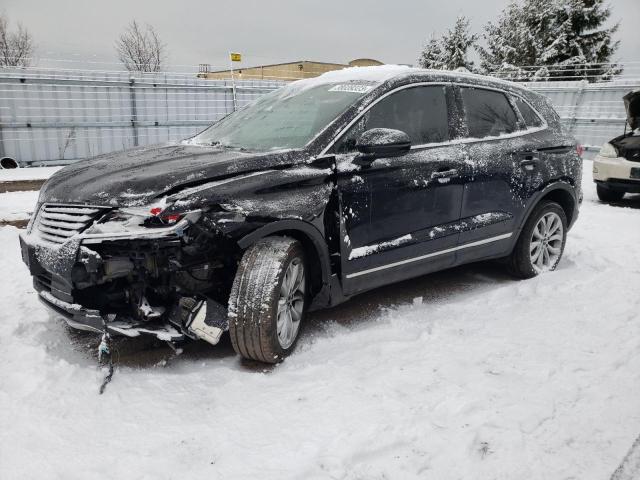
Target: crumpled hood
136, 177
632, 105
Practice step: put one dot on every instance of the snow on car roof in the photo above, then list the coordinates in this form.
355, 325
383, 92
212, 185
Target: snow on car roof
382, 73
376, 74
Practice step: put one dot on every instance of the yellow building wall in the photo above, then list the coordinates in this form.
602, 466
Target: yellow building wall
286, 71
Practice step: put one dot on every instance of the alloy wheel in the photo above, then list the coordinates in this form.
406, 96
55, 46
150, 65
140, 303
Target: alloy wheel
291, 303
546, 242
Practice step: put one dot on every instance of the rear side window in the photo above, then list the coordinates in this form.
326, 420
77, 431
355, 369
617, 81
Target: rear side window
420, 112
531, 118
488, 113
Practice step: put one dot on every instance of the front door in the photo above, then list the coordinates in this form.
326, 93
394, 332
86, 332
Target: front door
398, 213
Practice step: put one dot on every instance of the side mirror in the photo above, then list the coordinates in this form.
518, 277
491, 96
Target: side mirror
380, 142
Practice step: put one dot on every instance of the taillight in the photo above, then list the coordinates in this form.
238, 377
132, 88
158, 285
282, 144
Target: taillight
579, 150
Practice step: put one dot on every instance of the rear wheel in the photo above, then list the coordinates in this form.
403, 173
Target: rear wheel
607, 195
268, 299
541, 242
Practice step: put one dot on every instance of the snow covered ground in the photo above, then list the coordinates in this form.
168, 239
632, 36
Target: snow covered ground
462, 374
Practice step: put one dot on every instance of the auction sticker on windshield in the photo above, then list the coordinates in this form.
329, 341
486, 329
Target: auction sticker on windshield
352, 88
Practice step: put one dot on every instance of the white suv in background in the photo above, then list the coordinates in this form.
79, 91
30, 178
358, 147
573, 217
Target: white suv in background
616, 169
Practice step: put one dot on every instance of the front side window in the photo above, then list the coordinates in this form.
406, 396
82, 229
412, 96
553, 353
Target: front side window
420, 112
488, 113
288, 118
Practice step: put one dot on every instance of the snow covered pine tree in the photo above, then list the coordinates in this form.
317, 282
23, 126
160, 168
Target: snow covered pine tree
431, 55
450, 52
551, 40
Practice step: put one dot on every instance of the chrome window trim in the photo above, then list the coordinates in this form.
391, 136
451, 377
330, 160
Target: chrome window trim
524, 100
484, 241
456, 141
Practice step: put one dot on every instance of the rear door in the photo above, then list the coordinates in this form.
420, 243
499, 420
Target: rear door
503, 159
396, 211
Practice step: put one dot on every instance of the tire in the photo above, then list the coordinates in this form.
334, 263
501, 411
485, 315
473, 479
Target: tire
538, 250
607, 195
264, 313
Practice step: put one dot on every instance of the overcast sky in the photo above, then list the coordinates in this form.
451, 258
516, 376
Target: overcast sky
202, 31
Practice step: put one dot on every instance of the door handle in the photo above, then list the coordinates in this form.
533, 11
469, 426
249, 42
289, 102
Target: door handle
443, 176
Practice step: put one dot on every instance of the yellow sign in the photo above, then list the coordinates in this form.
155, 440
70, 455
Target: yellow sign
236, 57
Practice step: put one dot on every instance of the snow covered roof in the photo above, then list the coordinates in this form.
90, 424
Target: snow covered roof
382, 73
376, 74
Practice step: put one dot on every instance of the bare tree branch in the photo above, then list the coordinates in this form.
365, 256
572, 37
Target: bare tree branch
140, 50
16, 48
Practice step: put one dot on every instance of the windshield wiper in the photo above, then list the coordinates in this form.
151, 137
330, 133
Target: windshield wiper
217, 143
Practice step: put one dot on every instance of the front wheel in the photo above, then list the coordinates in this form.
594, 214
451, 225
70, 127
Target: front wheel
541, 242
268, 299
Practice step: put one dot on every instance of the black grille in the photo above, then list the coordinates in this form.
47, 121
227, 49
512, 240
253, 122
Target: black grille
58, 223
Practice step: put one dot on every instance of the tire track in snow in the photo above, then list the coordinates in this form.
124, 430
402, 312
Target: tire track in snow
629, 469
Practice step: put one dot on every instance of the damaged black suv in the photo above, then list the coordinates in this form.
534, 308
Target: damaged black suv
316, 192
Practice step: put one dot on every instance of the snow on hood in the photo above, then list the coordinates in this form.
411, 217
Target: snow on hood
136, 177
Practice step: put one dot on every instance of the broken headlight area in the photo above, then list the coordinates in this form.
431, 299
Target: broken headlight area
136, 220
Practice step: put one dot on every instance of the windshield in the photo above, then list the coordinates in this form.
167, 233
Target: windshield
287, 118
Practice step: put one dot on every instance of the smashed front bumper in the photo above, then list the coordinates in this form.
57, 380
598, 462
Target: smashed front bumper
80, 318
55, 274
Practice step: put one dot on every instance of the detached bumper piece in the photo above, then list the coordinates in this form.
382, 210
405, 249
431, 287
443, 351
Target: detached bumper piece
196, 319
205, 319
158, 286
82, 318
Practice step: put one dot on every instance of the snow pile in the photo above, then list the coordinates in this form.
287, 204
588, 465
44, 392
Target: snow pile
17, 205
22, 174
485, 377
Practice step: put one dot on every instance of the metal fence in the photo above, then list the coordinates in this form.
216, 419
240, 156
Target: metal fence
57, 117
60, 116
